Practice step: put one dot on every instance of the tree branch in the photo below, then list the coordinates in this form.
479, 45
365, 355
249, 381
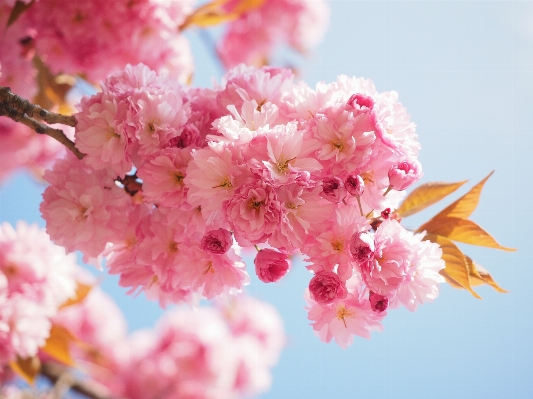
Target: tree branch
21, 110
56, 372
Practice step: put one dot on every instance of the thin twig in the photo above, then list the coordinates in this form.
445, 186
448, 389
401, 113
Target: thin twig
57, 134
56, 372
21, 110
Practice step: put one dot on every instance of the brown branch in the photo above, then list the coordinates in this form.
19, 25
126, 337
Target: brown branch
56, 372
130, 183
21, 110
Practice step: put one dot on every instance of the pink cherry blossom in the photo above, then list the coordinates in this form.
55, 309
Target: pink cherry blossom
333, 189
217, 241
392, 263
403, 174
378, 303
270, 265
355, 185
325, 287
253, 212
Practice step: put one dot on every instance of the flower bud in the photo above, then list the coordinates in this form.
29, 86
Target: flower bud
325, 287
362, 247
385, 214
355, 185
360, 101
217, 241
270, 265
333, 189
378, 303
404, 173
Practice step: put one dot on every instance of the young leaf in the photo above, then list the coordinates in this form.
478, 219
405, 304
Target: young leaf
58, 345
17, 11
52, 89
456, 265
82, 290
461, 230
27, 369
426, 195
215, 13
479, 276
464, 206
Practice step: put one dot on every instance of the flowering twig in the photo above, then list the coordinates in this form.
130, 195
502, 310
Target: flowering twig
58, 373
23, 111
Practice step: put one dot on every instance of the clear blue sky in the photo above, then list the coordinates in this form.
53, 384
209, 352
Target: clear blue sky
464, 70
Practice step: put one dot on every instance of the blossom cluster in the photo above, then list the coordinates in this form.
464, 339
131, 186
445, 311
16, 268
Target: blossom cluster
258, 160
36, 277
252, 37
225, 351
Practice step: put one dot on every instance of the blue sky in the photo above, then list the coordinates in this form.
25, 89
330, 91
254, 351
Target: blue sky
464, 70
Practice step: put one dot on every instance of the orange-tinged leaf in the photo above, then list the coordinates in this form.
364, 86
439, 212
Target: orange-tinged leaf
456, 265
82, 290
19, 8
208, 15
27, 368
215, 13
464, 206
426, 195
461, 230
52, 89
247, 5
58, 345
479, 276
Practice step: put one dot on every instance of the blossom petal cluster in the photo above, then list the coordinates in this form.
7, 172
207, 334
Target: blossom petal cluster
175, 178
252, 37
36, 277
225, 351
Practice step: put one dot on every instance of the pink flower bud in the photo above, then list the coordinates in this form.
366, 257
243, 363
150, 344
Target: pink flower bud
333, 189
362, 247
378, 303
325, 287
270, 265
217, 241
360, 101
404, 173
385, 214
355, 185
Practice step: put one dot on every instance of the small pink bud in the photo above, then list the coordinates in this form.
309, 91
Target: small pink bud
333, 189
217, 241
270, 265
362, 247
385, 214
360, 101
378, 303
404, 173
325, 287
355, 185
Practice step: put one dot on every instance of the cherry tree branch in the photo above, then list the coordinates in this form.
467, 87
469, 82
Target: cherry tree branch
23, 111
59, 374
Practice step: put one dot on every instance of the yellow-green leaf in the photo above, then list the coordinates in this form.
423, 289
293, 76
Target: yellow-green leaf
247, 5
17, 11
82, 290
426, 195
464, 206
462, 230
479, 276
457, 272
58, 345
27, 368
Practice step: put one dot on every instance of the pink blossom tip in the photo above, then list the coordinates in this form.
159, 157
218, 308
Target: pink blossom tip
404, 173
378, 303
325, 287
333, 189
362, 247
270, 265
217, 241
355, 185
360, 101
